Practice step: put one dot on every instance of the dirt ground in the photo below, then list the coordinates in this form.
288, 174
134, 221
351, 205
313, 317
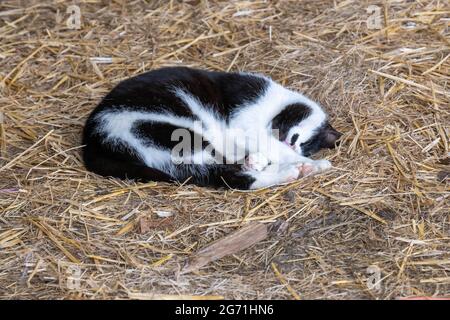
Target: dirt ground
376, 226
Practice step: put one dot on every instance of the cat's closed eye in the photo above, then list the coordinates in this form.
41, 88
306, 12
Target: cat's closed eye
294, 139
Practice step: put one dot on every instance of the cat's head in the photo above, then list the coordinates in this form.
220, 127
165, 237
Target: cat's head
324, 136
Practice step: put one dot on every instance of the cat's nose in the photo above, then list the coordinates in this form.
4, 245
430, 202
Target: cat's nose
331, 137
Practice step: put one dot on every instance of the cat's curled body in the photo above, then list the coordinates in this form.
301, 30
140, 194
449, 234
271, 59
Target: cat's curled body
133, 131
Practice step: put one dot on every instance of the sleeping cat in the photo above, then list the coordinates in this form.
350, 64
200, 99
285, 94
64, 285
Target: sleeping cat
217, 129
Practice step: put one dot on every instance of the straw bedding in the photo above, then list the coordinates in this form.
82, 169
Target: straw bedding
67, 233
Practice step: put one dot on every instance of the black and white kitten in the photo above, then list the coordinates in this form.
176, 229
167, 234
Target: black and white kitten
239, 130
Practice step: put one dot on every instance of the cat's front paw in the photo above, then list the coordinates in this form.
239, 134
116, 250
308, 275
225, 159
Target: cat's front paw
313, 167
322, 164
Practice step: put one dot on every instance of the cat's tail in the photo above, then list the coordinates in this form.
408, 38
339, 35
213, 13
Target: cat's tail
111, 164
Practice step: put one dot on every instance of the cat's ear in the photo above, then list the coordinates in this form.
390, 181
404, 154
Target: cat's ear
330, 136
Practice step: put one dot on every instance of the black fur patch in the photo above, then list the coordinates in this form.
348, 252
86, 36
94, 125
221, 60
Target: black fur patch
290, 116
151, 91
159, 134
